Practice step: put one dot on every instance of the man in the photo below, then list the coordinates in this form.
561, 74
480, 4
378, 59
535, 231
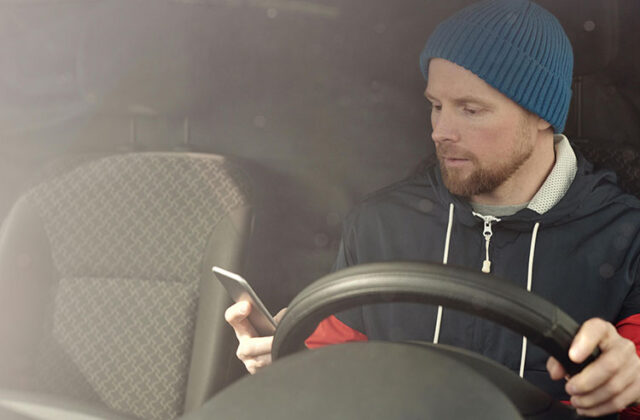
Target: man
507, 195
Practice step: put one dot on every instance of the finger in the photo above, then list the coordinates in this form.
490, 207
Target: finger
592, 333
616, 386
279, 315
615, 404
236, 315
251, 348
260, 362
237, 311
610, 363
555, 369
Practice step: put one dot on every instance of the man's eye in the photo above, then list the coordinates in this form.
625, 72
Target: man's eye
470, 111
436, 107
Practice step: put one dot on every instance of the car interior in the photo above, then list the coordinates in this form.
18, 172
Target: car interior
143, 142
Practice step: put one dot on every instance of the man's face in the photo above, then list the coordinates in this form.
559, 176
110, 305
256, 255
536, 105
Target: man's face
482, 138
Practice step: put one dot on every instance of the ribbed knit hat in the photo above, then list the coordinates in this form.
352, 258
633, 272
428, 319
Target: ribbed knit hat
515, 46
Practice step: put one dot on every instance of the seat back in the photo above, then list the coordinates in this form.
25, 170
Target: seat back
109, 265
623, 159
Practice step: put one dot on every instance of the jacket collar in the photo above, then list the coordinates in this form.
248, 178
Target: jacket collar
559, 179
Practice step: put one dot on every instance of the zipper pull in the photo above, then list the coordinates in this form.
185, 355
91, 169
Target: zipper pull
487, 233
486, 266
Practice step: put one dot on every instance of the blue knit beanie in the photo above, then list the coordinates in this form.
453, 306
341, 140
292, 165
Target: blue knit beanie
515, 46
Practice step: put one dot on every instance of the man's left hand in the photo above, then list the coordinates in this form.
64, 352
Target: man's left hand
612, 381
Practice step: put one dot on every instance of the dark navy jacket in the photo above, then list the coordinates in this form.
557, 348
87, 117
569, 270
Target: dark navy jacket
587, 257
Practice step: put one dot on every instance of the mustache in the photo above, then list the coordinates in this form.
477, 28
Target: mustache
452, 151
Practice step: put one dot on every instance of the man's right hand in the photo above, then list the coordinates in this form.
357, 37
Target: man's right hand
253, 351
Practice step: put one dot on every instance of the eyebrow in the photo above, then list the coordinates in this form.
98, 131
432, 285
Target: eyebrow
469, 99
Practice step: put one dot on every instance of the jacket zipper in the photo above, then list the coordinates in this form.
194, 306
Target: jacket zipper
487, 233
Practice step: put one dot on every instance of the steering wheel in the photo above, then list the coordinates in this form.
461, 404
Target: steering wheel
360, 370
543, 323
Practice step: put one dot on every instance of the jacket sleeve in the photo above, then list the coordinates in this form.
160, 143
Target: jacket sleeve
333, 331
630, 329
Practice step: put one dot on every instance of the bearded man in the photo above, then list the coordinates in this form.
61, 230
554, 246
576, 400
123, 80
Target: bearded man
505, 194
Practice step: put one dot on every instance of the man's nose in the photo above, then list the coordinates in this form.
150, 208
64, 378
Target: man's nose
444, 127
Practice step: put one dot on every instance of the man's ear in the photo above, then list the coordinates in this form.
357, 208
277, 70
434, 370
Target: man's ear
542, 125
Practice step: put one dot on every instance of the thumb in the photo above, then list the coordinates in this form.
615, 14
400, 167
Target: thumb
279, 315
555, 369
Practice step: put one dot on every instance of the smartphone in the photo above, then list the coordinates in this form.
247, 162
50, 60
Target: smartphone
240, 291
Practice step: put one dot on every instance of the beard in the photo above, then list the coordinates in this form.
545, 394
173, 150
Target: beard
483, 179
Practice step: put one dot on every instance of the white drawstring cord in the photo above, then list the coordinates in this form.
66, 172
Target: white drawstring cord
445, 259
532, 249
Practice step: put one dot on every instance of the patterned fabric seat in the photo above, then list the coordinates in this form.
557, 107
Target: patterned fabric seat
623, 159
106, 291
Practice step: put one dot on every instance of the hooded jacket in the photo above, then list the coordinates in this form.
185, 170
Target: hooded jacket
583, 255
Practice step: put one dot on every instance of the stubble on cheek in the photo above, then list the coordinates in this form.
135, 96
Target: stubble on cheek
460, 181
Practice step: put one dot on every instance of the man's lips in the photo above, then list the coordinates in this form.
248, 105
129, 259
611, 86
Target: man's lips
453, 161
453, 156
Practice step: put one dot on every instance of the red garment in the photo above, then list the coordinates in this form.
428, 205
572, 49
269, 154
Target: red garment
333, 331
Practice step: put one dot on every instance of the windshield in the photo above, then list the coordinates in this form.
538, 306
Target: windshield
321, 102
